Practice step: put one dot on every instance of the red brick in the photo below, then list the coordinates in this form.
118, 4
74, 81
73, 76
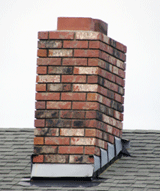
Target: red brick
75, 44
56, 140
92, 96
85, 105
90, 114
111, 139
73, 96
92, 79
94, 44
92, 62
40, 105
39, 123
66, 114
38, 140
38, 159
41, 70
121, 73
75, 61
42, 53
42, 35
71, 149
118, 97
90, 132
58, 105
91, 123
90, 150
115, 132
47, 96
61, 35
48, 61
86, 53
74, 78
40, 87
72, 114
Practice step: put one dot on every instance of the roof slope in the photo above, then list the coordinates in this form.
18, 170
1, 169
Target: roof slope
139, 172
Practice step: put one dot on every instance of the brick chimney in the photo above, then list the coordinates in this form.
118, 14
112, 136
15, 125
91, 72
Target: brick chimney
79, 99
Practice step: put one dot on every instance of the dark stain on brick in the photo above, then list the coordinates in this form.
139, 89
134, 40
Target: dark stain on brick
78, 123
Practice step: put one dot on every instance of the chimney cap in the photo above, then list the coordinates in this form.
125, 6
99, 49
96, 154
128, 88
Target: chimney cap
82, 23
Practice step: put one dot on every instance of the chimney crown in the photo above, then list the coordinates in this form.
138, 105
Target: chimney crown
80, 23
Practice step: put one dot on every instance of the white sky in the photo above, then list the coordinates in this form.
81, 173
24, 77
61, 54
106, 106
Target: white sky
135, 23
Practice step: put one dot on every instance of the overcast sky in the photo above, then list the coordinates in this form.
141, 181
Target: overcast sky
135, 23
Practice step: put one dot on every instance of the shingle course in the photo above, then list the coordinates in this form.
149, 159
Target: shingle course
141, 171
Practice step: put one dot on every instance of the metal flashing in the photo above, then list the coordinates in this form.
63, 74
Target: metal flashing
62, 170
96, 163
118, 145
104, 157
111, 151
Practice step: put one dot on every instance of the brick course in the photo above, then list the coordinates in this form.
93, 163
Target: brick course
80, 95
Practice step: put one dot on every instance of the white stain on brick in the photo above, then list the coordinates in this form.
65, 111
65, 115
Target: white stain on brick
83, 141
60, 53
87, 35
85, 87
86, 70
48, 78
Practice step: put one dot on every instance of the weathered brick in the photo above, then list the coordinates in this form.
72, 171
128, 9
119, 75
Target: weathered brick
42, 53
56, 158
45, 149
41, 70
46, 132
61, 35
74, 78
90, 132
92, 96
83, 141
91, 123
78, 123
71, 132
118, 97
85, 70
85, 105
74, 61
56, 140
58, 105
46, 114
58, 87
40, 87
48, 61
48, 78
71, 149
42, 35
111, 139
93, 62
75, 44
38, 140
90, 114
81, 159
87, 35
73, 96
58, 123
86, 53
38, 159
115, 132
59, 70
60, 53
47, 96
49, 44
90, 150
39, 123
85, 87
92, 79
40, 105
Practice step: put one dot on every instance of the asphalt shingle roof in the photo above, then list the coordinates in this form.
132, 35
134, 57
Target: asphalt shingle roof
141, 171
